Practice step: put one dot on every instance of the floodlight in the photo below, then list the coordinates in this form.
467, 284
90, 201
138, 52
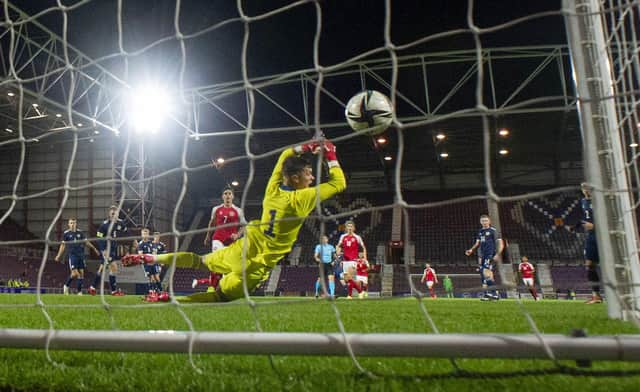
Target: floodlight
441, 136
149, 105
444, 155
388, 158
235, 183
381, 140
503, 151
633, 145
503, 132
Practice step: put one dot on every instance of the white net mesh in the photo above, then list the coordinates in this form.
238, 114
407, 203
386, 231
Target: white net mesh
69, 149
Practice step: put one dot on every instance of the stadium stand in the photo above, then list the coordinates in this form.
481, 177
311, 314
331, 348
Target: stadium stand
541, 227
25, 262
10, 230
570, 278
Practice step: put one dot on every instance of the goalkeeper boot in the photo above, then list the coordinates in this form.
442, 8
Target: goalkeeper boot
194, 284
65, 289
131, 260
361, 295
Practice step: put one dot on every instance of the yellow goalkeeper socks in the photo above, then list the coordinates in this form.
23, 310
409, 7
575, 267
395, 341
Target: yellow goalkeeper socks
214, 296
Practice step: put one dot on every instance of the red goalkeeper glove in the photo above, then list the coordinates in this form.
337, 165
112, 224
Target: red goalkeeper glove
330, 154
132, 259
306, 147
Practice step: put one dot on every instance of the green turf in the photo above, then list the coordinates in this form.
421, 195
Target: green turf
97, 371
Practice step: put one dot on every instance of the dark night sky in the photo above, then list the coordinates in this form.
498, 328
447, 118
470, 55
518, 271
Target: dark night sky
284, 42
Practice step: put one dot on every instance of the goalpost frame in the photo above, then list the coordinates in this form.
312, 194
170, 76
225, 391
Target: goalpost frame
513, 346
604, 158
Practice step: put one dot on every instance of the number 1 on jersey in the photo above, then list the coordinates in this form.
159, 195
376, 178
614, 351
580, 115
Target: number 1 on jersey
272, 221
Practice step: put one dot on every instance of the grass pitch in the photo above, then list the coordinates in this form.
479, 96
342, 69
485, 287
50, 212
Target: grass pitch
26, 370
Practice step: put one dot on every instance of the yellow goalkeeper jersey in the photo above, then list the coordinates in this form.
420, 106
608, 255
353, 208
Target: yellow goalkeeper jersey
284, 211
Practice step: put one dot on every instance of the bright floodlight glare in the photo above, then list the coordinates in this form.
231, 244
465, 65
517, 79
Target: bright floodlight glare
503, 132
633, 145
10, 94
388, 158
381, 140
441, 136
58, 115
8, 130
235, 183
504, 151
220, 160
79, 124
149, 105
35, 105
444, 155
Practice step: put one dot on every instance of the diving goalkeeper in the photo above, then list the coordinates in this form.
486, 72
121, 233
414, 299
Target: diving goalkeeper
289, 199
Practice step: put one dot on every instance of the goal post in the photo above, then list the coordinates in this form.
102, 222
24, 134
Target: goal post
512, 346
594, 61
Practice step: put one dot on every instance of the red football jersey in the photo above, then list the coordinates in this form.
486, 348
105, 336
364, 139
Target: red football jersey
430, 274
362, 269
221, 215
350, 244
526, 269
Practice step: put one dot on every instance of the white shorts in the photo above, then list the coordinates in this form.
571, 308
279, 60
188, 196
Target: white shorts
363, 279
429, 284
349, 267
528, 281
215, 245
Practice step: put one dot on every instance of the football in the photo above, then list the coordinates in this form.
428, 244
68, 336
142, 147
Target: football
371, 110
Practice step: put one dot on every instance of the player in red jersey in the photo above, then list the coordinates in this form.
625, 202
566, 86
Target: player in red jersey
362, 273
429, 275
350, 244
348, 247
527, 272
221, 215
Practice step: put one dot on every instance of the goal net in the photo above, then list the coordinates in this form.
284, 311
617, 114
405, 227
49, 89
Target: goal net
156, 109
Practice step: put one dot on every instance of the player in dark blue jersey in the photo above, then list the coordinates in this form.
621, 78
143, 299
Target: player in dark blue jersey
145, 246
110, 229
74, 240
490, 246
159, 248
591, 258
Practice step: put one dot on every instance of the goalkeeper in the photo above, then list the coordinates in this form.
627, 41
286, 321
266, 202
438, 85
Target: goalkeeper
289, 199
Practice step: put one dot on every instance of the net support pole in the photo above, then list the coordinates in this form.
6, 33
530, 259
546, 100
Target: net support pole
603, 157
609, 348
